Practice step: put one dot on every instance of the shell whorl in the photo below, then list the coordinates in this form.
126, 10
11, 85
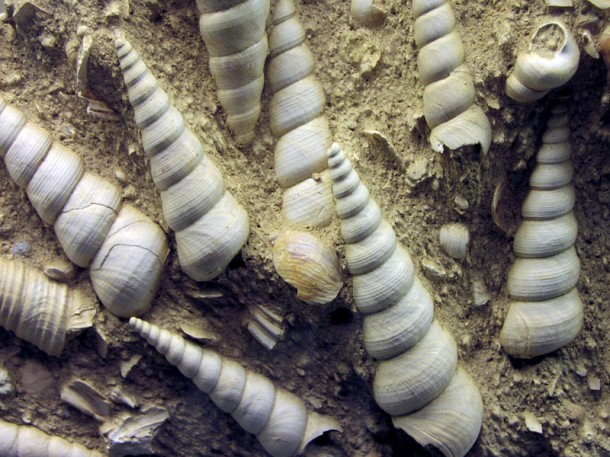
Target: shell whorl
417, 375
449, 94
26, 441
124, 250
210, 226
551, 62
278, 418
234, 35
545, 312
297, 117
40, 311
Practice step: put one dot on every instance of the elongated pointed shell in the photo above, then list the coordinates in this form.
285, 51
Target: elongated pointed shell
211, 227
545, 311
417, 376
126, 260
278, 418
234, 35
25, 441
40, 311
551, 62
449, 93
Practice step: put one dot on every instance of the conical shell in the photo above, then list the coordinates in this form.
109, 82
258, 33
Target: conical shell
279, 419
309, 203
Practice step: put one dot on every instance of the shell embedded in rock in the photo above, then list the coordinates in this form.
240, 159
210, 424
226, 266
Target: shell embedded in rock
97, 232
40, 311
551, 62
234, 35
449, 92
365, 13
26, 441
416, 380
297, 118
307, 265
545, 312
278, 418
210, 226
454, 240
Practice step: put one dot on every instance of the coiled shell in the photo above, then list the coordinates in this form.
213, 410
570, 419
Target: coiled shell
545, 312
278, 418
211, 227
297, 118
307, 265
234, 35
551, 62
454, 239
449, 93
25, 441
418, 358
40, 311
124, 249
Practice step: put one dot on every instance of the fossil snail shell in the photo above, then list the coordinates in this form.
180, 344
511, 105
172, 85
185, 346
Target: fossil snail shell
365, 13
26, 441
454, 239
546, 312
417, 380
278, 418
234, 35
124, 250
449, 93
551, 62
211, 227
40, 311
296, 116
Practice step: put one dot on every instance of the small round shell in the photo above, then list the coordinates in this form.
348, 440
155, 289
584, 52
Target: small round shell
454, 239
307, 265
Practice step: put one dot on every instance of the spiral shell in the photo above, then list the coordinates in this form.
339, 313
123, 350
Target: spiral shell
416, 380
449, 92
25, 441
278, 418
546, 312
40, 311
124, 250
296, 116
551, 62
211, 227
234, 34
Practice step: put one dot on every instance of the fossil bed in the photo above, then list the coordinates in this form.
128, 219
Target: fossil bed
371, 83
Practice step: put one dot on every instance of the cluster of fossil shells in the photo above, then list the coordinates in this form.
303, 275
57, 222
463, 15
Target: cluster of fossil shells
417, 379
551, 62
278, 418
546, 312
38, 310
449, 94
124, 250
210, 225
26, 441
234, 35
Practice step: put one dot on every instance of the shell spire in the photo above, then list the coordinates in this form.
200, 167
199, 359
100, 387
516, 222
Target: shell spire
234, 35
417, 380
546, 312
210, 225
449, 93
124, 250
278, 418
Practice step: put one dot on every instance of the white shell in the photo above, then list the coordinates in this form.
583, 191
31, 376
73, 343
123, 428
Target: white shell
449, 108
545, 312
365, 13
234, 35
551, 62
278, 418
83, 209
418, 358
211, 227
454, 239
25, 441
40, 311
309, 203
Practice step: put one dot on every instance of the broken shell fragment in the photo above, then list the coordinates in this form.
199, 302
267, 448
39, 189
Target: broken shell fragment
454, 239
86, 399
365, 13
307, 265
